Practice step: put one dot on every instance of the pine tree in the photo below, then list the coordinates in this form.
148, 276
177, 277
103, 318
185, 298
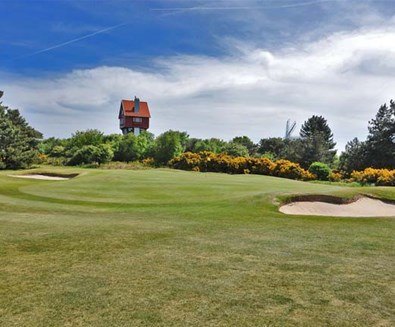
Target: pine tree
318, 144
18, 141
381, 139
354, 157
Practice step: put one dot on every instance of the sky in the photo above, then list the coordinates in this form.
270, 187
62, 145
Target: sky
211, 68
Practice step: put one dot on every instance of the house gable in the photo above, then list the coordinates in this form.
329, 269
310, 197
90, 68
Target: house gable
132, 119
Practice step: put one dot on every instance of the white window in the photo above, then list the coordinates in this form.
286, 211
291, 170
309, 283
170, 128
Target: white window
137, 119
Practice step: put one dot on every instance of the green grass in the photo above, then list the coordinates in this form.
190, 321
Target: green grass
172, 248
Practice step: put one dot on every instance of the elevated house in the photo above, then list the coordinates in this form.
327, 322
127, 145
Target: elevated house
134, 116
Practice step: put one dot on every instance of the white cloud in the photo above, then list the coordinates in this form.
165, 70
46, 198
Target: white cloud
344, 77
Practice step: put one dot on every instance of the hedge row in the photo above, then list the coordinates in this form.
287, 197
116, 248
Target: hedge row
222, 163
382, 177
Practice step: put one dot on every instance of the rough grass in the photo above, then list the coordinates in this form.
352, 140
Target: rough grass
172, 248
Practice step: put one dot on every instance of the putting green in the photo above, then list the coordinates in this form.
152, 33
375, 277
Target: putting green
171, 248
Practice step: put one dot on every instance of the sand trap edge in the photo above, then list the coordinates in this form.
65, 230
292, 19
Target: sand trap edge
331, 199
46, 176
335, 201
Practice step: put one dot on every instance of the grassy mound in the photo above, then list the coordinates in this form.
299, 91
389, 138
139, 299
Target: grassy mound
175, 248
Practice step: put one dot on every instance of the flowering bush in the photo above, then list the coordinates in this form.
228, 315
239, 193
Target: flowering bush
382, 177
150, 162
210, 162
335, 176
387, 178
41, 158
222, 163
292, 170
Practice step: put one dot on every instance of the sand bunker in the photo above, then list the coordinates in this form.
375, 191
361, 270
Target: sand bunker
40, 176
363, 207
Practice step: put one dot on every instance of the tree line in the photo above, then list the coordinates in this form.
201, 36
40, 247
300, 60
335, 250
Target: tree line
21, 145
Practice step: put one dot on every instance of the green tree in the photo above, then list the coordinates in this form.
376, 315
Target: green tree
354, 157
88, 137
168, 145
247, 142
380, 144
274, 145
236, 149
133, 147
17, 119
89, 154
318, 144
213, 145
114, 140
18, 140
46, 146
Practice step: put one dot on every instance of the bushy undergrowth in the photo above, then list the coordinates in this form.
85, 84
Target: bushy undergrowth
381, 177
321, 170
211, 162
335, 176
89, 154
134, 165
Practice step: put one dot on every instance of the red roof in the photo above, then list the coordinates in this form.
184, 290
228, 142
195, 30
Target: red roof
128, 109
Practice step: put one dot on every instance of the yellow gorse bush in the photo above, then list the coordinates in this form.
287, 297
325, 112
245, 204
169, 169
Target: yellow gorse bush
382, 177
222, 163
335, 176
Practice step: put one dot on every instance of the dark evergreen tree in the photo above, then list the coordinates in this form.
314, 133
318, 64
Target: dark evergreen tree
18, 140
354, 157
318, 144
380, 144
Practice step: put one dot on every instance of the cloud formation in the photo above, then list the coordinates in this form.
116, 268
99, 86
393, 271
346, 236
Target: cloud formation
251, 91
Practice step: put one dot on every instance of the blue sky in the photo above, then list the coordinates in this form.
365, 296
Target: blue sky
212, 68
151, 29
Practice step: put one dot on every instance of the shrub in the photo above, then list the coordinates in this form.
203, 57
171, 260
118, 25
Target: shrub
335, 176
292, 170
133, 165
132, 148
149, 162
321, 170
41, 158
90, 154
168, 145
211, 162
83, 138
57, 151
261, 166
236, 149
387, 178
60, 161
382, 177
